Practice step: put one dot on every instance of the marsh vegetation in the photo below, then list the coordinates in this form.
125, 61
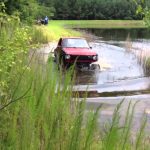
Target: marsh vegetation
37, 108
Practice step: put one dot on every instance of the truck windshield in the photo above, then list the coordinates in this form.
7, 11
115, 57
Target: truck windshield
82, 43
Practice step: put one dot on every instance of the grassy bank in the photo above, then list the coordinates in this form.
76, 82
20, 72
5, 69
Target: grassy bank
54, 31
98, 23
59, 28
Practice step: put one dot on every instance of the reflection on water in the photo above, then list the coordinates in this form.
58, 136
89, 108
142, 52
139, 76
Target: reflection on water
120, 34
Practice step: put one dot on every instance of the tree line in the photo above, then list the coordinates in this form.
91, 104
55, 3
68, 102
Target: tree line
74, 9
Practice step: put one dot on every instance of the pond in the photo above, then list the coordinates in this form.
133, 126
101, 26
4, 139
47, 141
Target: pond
122, 75
120, 34
120, 52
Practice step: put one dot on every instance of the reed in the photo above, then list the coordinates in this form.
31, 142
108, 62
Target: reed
43, 115
147, 66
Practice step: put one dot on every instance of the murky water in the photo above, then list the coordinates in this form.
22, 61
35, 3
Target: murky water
119, 61
121, 76
119, 54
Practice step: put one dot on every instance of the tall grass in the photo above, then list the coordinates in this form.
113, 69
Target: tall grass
146, 65
144, 60
142, 55
38, 36
43, 115
37, 110
55, 31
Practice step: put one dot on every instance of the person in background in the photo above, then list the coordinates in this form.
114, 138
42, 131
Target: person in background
46, 20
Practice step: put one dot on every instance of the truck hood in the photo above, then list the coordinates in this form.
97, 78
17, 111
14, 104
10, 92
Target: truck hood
79, 51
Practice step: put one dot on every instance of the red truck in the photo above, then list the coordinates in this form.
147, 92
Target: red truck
76, 50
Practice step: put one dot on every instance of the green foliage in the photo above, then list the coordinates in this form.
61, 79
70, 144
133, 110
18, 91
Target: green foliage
96, 9
73, 9
147, 17
143, 8
15, 42
29, 10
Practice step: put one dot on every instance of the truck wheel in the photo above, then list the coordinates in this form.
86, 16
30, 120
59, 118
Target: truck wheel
95, 67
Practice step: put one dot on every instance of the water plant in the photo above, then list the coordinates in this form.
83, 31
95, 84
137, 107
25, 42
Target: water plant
147, 66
